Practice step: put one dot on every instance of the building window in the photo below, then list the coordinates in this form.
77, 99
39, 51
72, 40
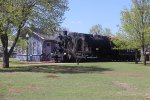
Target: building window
48, 44
34, 47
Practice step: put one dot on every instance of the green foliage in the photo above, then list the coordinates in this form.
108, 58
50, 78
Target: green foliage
107, 32
147, 37
45, 14
135, 23
22, 43
98, 30
48, 14
121, 42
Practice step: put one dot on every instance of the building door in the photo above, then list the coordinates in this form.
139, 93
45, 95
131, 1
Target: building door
48, 50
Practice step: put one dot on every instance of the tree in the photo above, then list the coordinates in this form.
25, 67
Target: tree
136, 23
107, 32
119, 44
16, 14
22, 41
96, 30
120, 41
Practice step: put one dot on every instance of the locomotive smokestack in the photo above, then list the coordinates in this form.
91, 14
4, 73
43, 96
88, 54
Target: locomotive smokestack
65, 33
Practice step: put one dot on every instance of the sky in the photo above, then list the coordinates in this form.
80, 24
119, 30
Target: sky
83, 14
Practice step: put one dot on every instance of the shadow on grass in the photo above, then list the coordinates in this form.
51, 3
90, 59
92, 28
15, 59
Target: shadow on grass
56, 69
140, 63
2, 97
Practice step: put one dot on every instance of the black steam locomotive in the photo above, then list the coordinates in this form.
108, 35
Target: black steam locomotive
87, 47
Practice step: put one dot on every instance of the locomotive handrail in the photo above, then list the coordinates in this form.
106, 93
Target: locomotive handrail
91, 57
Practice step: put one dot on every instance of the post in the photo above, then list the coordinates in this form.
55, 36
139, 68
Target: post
27, 36
27, 51
77, 61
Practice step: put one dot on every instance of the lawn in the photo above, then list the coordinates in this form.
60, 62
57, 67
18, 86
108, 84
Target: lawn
87, 81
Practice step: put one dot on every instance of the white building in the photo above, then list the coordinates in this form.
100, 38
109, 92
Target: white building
40, 48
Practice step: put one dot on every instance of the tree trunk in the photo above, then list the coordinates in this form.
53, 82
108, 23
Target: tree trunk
5, 60
143, 56
4, 40
136, 56
145, 61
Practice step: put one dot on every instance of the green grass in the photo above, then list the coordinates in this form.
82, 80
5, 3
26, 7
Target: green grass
87, 81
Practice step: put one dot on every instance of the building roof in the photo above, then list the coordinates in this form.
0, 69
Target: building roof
43, 36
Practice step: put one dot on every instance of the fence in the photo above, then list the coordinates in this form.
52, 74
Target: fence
30, 57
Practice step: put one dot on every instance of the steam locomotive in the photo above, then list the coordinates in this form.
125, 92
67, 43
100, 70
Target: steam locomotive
87, 47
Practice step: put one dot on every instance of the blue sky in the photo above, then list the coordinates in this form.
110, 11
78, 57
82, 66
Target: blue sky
83, 14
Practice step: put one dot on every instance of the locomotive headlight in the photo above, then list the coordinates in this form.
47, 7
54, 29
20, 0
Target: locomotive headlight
65, 53
97, 49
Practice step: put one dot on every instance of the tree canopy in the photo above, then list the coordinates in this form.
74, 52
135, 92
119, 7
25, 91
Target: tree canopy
136, 24
16, 14
98, 30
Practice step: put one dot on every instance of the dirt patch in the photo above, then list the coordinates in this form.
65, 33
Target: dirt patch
52, 76
116, 73
147, 96
30, 87
126, 74
15, 90
124, 86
